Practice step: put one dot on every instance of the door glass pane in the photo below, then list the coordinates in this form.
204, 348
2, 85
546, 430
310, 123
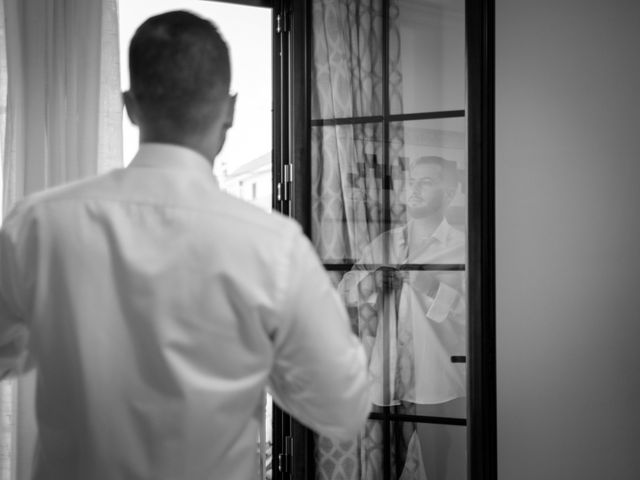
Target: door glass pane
389, 207
395, 451
347, 62
427, 56
433, 142
347, 196
442, 450
354, 460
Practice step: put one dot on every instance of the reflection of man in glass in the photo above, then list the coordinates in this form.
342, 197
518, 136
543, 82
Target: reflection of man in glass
411, 316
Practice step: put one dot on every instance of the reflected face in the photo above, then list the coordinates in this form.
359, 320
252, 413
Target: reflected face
426, 192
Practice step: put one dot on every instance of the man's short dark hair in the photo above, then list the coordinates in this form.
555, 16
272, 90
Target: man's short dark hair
179, 69
449, 168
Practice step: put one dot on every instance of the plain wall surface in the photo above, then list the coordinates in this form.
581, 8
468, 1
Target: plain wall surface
568, 239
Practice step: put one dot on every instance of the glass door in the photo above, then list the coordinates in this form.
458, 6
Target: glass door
388, 185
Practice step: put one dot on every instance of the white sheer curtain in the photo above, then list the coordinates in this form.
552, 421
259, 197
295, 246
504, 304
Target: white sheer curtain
64, 113
63, 122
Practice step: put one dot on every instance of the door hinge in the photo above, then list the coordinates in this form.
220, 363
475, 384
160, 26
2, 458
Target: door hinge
282, 22
283, 189
285, 460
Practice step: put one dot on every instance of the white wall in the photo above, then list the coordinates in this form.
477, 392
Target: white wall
568, 246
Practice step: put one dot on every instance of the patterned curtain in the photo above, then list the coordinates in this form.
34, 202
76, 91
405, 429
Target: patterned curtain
62, 122
349, 188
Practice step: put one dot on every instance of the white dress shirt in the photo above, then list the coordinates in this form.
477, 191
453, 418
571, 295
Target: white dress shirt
158, 308
424, 330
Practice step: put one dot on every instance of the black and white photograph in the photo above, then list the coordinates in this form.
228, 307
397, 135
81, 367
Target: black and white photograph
319, 240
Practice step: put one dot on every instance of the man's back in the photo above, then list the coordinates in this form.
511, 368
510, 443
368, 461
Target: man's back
159, 308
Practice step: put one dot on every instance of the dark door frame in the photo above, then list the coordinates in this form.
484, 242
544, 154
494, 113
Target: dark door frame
481, 365
248, 3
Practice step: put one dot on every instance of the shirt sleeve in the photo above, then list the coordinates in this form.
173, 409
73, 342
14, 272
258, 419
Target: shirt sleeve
13, 333
319, 374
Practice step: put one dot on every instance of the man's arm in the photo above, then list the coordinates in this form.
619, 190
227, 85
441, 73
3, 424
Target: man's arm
441, 293
319, 373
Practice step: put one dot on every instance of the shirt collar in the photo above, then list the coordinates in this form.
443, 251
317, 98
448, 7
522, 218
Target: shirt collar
442, 232
171, 156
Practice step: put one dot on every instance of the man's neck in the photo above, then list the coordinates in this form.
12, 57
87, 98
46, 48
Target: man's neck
422, 228
197, 143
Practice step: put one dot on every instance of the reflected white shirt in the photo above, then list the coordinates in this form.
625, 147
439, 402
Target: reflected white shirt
436, 322
158, 310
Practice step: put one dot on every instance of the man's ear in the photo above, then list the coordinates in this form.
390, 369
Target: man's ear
231, 111
131, 105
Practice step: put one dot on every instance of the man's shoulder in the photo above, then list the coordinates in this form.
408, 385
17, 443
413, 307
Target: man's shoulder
389, 237
75, 189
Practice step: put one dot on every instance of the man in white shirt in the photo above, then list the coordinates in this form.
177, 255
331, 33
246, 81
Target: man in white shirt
413, 321
156, 309
427, 306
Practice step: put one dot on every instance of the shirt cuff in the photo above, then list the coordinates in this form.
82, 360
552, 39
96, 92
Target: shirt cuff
443, 303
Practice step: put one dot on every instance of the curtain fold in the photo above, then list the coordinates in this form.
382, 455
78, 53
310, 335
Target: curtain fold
64, 112
63, 122
347, 75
